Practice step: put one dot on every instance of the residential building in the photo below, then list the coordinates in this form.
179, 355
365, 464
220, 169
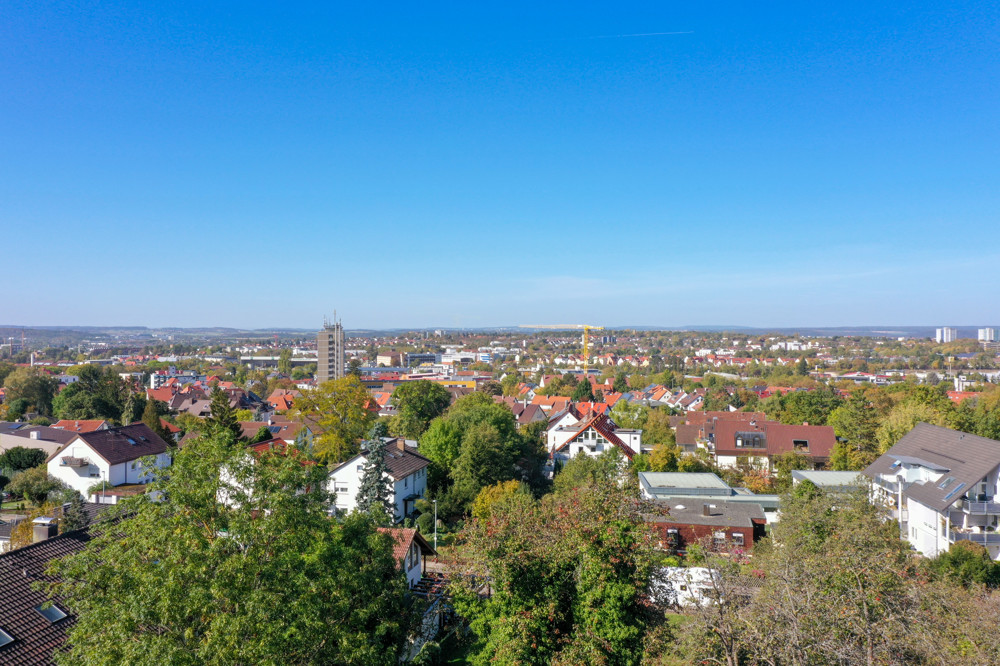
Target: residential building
760, 442
44, 438
593, 436
941, 485
71, 425
987, 335
946, 334
330, 352
715, 524
411, 550
111, 455
695, 488
407, 473
29, 632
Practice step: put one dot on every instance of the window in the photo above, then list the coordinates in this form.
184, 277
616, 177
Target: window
53, 613
5, 638
800, 444
340, 487
738, 539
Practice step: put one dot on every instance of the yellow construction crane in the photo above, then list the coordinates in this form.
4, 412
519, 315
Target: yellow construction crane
587, 328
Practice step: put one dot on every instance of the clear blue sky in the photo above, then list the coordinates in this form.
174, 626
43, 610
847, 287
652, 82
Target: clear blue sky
469, 164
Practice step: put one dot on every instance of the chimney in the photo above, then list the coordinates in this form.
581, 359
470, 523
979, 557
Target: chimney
706, 509
33, 434
43, 528
401, 443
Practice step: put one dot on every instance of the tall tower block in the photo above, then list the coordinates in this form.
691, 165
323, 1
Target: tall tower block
330, 351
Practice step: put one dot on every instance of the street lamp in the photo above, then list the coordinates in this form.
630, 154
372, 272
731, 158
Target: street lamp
435, 525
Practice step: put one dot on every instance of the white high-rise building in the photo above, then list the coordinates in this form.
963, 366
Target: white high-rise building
987, 335
946, 334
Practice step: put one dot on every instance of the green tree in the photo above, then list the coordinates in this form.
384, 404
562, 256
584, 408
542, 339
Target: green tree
483, 460
812, 407
151, 417
441, 444
621, 383
74, 515
656, 429
19, 458
375, 492
264, 577
584, 391
631, 416
223, 418
570, 578
33, 386
340, 413
34, 484
966, 564
417, 404
856, 422
285, 361
589, 471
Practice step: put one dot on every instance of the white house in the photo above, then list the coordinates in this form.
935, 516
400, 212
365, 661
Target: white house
941, 485
593, 436
111, 455
407, 472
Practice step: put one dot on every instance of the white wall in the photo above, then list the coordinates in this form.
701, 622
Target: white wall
80, 478
346, 482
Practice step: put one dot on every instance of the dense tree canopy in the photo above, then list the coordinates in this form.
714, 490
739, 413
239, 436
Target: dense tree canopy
340, 413
263, 576
417, 404
569, 574
19, 458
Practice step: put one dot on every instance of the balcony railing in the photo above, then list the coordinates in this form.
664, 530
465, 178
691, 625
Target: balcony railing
891, 486
989, 506
68, 461
977, 537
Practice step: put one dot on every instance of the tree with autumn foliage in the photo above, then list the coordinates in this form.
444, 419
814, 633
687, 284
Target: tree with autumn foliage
569, 579
339, 414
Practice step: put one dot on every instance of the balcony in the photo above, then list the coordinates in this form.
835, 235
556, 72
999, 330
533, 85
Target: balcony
890, 486
982, 538
980, 508
69, 461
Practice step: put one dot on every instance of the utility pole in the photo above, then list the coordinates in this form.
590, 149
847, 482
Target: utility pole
435, 525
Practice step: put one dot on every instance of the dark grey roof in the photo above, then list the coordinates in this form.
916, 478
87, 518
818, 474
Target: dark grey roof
913, 460
122, 444
401, 460
45, 434
35, 637
967, 459
721, 513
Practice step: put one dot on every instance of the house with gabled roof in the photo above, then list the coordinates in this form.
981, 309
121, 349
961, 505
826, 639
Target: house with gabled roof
411, 551
942, 486
113, 456
592, 436
760, 442
78, 425
407, 472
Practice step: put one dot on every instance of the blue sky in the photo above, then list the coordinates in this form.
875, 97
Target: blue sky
471, 164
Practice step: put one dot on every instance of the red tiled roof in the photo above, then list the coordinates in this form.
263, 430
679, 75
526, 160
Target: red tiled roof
71, 425
602, 424
780, 438
403, 538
